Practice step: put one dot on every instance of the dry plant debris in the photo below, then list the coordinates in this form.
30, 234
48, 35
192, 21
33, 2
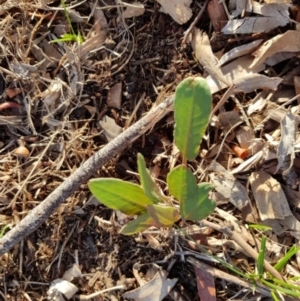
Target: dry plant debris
61, 102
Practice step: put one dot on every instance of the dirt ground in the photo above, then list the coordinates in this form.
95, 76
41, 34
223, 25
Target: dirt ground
53, 98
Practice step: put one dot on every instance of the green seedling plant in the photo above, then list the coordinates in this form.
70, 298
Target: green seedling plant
69, 37
192, 107
277, 286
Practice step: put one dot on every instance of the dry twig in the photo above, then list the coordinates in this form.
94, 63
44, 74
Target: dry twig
186, 34
40, 213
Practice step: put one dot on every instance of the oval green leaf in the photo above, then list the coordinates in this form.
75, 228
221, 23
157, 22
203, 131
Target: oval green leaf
192, 108
141, 223
164, 216
151, 190
116, 194
182, 183
199, 206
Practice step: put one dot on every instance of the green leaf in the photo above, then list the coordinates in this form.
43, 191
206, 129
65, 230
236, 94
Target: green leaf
259, 227
274, 296
141, 223
199, 206
151, 190
157, 216
116, 194
182, 183
68, 37
192, 108
164, 216
6, 227
261, 257
283, 261
279, 288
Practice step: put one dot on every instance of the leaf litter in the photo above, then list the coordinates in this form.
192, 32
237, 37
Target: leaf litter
63, 101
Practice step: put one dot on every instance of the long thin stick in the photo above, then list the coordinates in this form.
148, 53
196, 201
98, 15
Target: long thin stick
186, 34
41, 212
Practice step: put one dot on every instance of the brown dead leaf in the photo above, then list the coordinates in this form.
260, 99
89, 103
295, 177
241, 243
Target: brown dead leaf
91, 44
110, 129
233, 71
205, 284
258, 103
52, 94
134, 9
100, 19
271, 16
60, 288
269, 196
292, 225
252, 82
154, 290
239, 51
205, 56
12, 92
50, 50
287, 42
227, 185
179, 10
114, 96
286, 145
245, 136
217, 14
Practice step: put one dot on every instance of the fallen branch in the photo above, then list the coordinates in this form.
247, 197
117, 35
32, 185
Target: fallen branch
41, 212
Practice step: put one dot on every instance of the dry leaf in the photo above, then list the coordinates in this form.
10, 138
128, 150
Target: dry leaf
233, 71
110, 129
229, 119
155, 290
279, 57
252, 82
50, 50
227, 185
245, 136
99, 17
59, 287
217, 14
240, 6
286, 145
258, 103
72, 272
239, 51
205, 284
53, 93
91, 44
292, 224
133, 9
179, 10
287, 42
269, 196
12, 92
205, 56
114, 96
272, 16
